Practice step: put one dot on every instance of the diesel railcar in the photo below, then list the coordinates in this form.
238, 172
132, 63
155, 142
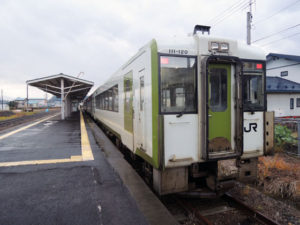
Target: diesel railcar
191, 110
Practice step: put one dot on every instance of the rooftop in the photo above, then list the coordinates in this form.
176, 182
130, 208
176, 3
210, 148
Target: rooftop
295, 58
281, 85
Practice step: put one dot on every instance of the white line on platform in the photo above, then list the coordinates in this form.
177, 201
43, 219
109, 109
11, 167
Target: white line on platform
26, 127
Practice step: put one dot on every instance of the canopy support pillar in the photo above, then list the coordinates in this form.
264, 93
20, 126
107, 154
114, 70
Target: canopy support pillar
62, 99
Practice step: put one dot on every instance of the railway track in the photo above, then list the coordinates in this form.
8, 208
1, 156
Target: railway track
5, 124
258, 216
188, 211
226, 207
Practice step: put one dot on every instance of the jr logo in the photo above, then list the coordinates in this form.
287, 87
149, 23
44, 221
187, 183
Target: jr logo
251, 126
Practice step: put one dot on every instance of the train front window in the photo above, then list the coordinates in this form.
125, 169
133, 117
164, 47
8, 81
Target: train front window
253, 85
178, 84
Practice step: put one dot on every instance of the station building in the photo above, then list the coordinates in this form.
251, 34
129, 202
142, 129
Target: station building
285, 66
283, 84
283, 97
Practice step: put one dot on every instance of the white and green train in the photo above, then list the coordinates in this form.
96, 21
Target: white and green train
190, 111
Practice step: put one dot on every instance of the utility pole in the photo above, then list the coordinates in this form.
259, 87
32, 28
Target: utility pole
27, 97
2, 98
46, 98
249, 21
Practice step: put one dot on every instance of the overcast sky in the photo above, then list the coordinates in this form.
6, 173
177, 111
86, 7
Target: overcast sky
46, 37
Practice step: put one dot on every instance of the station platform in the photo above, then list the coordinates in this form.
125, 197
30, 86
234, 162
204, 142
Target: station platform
53, 171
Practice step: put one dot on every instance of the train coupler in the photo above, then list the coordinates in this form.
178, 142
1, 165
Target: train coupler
225, 176
219, 186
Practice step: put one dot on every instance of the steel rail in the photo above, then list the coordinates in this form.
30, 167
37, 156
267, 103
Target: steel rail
258, 216
190, 209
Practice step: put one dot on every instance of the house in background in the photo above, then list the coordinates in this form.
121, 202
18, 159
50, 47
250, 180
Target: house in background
285, 66
32, 102
4, 105
20, 103
283, 97
37, 103
54, 102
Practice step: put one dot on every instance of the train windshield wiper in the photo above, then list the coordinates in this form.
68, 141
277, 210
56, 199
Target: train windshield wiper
180, 114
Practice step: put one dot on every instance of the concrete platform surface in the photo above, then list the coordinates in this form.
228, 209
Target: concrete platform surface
149, 204
47, 176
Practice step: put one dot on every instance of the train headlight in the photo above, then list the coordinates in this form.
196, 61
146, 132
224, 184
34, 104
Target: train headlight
224, 47
214, 46
219, 46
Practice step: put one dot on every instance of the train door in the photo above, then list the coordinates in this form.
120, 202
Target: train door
219, 109
128, 103
140, 113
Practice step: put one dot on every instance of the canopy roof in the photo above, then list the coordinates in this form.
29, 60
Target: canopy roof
75, 87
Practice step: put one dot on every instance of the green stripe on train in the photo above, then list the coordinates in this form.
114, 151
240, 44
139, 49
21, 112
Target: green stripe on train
128, 102
155, 102
154, 161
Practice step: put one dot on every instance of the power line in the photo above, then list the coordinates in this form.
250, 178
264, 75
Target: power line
270, 35
277, 12
281, 39
234, 10
242, 7
225, 11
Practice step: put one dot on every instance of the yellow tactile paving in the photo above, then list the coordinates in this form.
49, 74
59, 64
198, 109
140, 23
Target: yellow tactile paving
39, 162
86, 150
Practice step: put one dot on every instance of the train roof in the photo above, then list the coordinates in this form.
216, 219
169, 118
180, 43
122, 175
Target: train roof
237, 48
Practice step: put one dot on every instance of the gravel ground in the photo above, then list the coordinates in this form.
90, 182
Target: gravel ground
277, 210
279, 176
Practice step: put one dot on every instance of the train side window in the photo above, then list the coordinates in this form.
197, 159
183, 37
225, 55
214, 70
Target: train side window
105, 100
127, 95
98, 102
115, 98
101, 101
218, 90
142, 97
110, 100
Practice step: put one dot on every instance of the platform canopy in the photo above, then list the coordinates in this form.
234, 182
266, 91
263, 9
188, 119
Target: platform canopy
76, 87
70, 89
